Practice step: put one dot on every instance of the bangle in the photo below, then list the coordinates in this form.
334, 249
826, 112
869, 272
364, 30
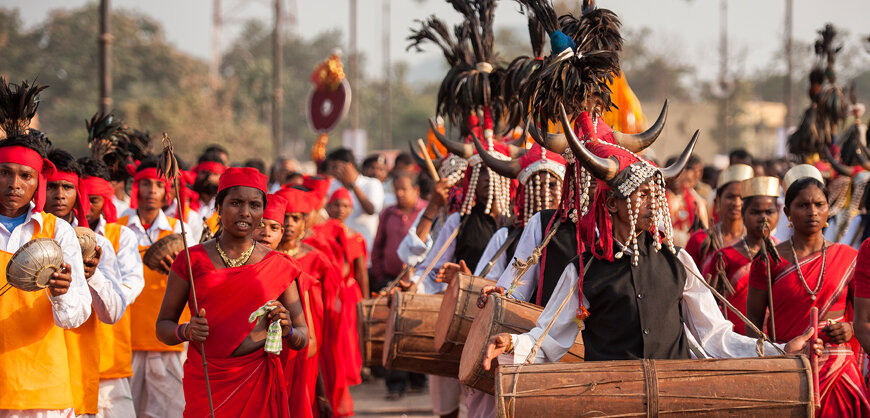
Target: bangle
180, 336
510, 347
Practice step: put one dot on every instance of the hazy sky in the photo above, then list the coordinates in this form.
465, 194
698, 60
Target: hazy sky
687, 28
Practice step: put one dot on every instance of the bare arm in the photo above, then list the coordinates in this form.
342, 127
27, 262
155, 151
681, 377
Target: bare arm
362, 275
293, 304
364, 202
174, 300
756, 307
437, 199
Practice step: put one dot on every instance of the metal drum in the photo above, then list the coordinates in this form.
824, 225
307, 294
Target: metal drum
501, 314
87, 240
756, 387
410, 340
371, 326
458, 309
32, 265
164, 246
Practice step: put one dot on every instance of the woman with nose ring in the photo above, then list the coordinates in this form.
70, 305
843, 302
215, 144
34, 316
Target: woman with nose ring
812, 272
249, 309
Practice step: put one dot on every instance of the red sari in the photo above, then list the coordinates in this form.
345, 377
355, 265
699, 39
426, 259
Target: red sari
736, 266
247, 386
842, 389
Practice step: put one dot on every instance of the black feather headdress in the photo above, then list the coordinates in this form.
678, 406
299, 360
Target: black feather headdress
584, 59
518, 73
18, 104
116, 145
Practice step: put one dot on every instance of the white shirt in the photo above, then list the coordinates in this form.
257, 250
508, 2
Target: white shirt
73, 308
107, 299
495, 243
701, 315
206, 209
412, 250
428, 285
161, 223
530, 238
129, 263
121, 206
359, 220
851, 231
192, 225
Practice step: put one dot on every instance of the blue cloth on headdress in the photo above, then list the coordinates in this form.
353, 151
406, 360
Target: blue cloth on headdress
560, 42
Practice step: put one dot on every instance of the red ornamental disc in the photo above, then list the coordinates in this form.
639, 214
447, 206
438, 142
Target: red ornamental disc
327, 108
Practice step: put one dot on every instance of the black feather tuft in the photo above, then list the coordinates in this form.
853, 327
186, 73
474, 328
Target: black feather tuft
18, 104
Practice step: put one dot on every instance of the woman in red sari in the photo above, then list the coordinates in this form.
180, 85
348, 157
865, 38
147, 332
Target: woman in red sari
728, 268
235, 278
813, 273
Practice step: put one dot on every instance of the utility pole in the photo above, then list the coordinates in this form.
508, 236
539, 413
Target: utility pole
277, 91
723, 69
789, 64
214, 70
388, 93
105, 44
354, 67
292, 18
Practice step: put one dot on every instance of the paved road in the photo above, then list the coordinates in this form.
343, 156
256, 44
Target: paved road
368, 401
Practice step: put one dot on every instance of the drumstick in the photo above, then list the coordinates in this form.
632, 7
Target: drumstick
814, 358
429, 164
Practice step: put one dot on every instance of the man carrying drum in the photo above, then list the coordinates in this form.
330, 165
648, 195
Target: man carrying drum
34, 370
157, 368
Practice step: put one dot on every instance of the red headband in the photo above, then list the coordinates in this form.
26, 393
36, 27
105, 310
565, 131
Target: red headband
276, 206
17, 154
96, 186
210, 166
341, 193
83, 205
242, 176
144, 174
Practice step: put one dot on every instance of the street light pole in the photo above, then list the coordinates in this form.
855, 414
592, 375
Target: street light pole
277, 90
105, 48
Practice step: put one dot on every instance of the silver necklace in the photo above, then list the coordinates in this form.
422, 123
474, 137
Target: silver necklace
801, 274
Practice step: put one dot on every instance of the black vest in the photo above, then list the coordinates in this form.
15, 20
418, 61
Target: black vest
561, 249
473, 237
635, 312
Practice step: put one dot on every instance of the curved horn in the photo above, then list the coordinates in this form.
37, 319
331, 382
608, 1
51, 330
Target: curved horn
839, 167
862, 153
415, 153
671, 172
461, 149
437, 152
602, 168
509, 169
639, 142
521, 141
555, 142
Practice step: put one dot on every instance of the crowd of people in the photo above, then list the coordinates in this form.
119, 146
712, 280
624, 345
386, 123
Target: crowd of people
219, 286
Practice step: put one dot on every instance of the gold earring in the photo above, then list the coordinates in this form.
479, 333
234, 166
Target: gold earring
789, 222
262, 224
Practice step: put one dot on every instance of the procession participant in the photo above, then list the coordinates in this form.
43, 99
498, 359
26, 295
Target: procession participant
353, 243
728, 268
862, 297
812, 273
856, 231
303, 369
208, 171
728, 205
688, 209
635, 277
249, 307
67, 200
157, 368
392, 228
367, 193
116, 356
189, 201
33, 322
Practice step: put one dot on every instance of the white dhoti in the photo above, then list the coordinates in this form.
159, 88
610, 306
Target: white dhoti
156, 384
446, 394
116, 399
479, 403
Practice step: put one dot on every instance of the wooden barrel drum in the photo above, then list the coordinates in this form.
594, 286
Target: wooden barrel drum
458, 309
757, 387
410, 339
501, 314
371, 326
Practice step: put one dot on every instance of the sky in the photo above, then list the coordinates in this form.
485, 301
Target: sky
686, 29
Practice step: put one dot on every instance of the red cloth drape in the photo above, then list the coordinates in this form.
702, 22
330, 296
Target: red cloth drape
247, 386
843, 392
736, 267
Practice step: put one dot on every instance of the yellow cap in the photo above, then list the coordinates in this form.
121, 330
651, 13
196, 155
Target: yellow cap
798, 172
761, 186
736, 172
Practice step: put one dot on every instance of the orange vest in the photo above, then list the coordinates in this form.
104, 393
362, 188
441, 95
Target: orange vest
143, 313
116, 356
34, 371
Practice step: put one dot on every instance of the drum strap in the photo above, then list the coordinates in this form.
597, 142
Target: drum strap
507, 243
651, 387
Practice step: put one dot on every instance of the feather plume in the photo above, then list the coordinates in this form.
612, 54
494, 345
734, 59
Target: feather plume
104, 133
18, 104
436, 31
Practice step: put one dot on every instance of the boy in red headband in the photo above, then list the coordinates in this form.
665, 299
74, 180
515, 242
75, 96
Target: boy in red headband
34, 368
236, 279
116, 398
156, 366
208, 171
66, 199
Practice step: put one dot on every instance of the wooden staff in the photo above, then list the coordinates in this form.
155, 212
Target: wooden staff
814, 358
426, 157
169, 169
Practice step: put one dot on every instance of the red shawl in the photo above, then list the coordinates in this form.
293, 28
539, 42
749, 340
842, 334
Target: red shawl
736, 267
246, 386
842, 389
